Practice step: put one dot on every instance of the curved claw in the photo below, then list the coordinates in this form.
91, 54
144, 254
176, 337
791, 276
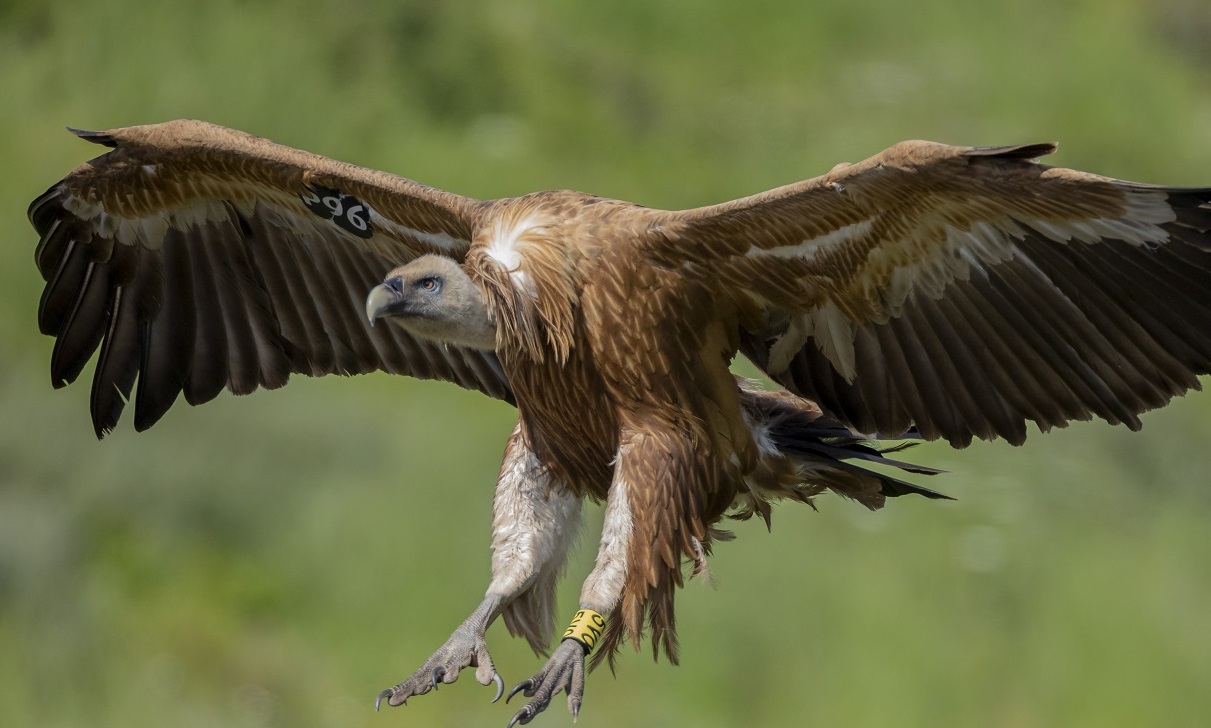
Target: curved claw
500, 686
523, 685
524, 715
436, 675
379, 700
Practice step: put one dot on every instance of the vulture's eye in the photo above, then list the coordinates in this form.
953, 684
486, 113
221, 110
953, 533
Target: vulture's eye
430, 284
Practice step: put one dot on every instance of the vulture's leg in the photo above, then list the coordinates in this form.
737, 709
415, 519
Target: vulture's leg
534, 522
600, 594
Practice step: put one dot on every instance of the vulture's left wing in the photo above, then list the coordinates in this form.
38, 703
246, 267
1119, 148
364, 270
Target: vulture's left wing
200, 258
963, 290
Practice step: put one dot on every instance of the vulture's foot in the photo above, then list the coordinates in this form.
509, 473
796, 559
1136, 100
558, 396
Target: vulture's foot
466, 647
564, 671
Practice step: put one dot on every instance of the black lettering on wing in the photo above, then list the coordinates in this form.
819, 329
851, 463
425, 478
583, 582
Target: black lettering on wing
346, 211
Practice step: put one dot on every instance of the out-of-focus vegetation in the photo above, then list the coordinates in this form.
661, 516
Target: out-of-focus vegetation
277, 559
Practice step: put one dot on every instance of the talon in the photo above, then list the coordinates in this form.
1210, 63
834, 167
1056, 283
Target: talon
522, 715
379, 700
500, 686
523, 685
436, 675
575, 707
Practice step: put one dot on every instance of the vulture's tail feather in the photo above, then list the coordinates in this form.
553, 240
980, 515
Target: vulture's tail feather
828, 454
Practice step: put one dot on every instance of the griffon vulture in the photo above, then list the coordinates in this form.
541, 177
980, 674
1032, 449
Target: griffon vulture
931, 291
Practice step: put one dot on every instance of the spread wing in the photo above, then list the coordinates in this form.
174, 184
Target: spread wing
964, 290
199, 258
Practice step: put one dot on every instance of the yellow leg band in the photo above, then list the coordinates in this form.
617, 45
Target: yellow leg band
586, 628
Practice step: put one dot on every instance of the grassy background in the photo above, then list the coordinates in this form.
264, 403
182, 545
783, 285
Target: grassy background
275, 560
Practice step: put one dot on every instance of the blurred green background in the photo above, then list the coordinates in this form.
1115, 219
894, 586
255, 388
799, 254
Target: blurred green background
275, 560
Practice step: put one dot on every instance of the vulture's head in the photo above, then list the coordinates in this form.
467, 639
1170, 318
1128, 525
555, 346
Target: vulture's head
434, 298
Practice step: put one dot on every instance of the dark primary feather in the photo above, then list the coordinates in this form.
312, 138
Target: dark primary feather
82, 328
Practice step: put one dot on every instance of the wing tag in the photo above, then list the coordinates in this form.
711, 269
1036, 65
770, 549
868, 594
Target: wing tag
345, 211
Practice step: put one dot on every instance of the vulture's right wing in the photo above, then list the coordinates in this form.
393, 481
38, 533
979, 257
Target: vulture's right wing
200, 258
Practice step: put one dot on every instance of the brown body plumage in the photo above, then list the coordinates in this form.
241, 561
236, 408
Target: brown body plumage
943, 291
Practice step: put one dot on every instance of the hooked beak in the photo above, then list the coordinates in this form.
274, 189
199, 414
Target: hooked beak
381, 298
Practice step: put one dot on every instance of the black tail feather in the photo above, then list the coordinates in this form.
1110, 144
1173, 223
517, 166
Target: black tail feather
823, 444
